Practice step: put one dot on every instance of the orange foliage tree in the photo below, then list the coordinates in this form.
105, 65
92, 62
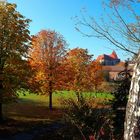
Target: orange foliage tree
46, 56
14, 44
96, 74
82, 73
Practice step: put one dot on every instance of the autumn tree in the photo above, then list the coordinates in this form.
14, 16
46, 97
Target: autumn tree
123, 33
14, 42
95, 74
83, 74
46, 55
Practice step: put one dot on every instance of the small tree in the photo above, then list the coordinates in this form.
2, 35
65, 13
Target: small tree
46, 56
83, 74
14, 44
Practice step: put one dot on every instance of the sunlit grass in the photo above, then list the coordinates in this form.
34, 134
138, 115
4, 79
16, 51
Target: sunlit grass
43, 100
59, 94
33, 106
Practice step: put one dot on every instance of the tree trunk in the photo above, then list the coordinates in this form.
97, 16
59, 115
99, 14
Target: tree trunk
1, 114
78, 96
1, 92
132, 119
50, 95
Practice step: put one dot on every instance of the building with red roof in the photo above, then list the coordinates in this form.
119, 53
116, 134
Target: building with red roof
111, 65
108, 60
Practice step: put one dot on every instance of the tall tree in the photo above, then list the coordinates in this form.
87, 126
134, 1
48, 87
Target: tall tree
14, 43
47, 54
124, 34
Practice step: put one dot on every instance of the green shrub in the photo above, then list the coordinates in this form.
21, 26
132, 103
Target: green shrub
89, 121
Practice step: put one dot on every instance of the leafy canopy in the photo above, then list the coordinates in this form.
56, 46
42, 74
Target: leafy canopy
14, 44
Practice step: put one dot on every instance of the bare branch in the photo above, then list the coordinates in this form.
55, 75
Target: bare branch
119, 34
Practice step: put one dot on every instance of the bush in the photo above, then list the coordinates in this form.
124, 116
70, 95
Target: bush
90, 122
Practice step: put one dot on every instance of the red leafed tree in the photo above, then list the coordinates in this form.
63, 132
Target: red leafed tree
46, 56
82, 73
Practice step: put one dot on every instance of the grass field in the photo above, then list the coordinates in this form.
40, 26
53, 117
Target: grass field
33, 106
32, 110
43, 99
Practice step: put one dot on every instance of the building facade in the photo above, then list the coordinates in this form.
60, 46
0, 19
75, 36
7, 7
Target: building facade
108, 60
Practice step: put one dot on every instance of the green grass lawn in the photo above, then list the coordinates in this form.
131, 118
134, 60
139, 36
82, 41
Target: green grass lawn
28, 97
32, 109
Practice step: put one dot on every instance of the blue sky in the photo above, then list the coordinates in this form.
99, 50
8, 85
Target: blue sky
57, 15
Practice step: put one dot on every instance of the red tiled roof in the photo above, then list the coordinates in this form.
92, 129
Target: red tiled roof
113, 68
114, 55
108, 57
116, 68
120, 64
100, 57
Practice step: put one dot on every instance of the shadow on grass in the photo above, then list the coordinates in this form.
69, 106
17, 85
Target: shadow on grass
25, 115
31, 110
